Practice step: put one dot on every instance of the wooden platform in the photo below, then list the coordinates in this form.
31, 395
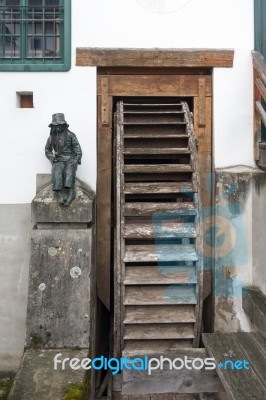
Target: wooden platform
240, 384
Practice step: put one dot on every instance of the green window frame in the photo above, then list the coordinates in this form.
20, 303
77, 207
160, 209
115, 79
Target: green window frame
35, 35
260, 26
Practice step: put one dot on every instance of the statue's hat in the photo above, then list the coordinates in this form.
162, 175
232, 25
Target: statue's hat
58, 119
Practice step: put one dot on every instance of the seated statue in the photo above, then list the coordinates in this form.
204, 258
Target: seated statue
64, 152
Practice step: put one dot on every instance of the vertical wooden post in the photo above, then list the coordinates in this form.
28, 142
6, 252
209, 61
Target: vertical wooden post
104, 182
202, 102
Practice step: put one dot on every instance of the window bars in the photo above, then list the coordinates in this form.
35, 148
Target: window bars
32, 32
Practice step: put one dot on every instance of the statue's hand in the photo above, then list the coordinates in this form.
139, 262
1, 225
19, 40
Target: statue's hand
73, 163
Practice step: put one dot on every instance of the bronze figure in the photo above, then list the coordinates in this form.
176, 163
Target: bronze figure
64, 152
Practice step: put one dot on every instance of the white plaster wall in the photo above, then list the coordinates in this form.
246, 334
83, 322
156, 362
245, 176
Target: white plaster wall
125, 23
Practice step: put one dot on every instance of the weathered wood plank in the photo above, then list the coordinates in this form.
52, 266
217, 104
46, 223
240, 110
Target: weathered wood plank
158, 168
106, 57
103, 204
239, 384
159, 314
159, 294
254, 304
253, 352
260, 340
167, 209
156, 131
167, 187
105, 101
148, 275
160, 229
156, 135
153, 119
202, 102
157, 150
157, 85
261, 87
170, 380
261, 112
117, 169
159, 331
160, 253
146, 347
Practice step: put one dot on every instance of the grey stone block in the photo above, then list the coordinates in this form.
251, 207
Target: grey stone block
59, 289
37, 378
45, 208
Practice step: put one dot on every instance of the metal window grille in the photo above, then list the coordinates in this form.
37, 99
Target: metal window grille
32, 32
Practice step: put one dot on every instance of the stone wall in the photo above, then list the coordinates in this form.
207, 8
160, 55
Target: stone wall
239, 253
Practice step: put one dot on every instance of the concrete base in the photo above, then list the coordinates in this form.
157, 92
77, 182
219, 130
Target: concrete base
37, 378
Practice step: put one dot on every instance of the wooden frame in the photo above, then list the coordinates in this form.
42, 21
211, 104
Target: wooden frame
198, 87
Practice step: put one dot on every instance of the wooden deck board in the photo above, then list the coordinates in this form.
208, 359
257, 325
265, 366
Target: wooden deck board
239, 384
254, 304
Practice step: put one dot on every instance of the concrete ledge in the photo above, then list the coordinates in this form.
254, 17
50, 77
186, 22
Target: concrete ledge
37, 378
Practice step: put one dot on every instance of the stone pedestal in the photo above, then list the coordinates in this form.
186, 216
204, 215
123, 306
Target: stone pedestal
58, 312
61, 293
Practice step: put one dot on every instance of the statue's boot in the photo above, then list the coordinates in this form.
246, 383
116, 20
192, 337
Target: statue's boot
71, 196
59, 196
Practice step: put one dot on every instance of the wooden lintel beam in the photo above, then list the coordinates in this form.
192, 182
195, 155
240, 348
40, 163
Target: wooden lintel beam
104, 57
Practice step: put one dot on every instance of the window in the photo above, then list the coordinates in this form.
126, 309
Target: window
35, 35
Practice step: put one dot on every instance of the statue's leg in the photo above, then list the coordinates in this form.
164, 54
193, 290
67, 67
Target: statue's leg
69, 182
57, 180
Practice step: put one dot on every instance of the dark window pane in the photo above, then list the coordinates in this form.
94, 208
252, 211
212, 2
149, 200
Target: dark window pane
52, 47
35, 3
12, 46
52, 3
35, 47
12, 2
35, 28
50, 28
1, 46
